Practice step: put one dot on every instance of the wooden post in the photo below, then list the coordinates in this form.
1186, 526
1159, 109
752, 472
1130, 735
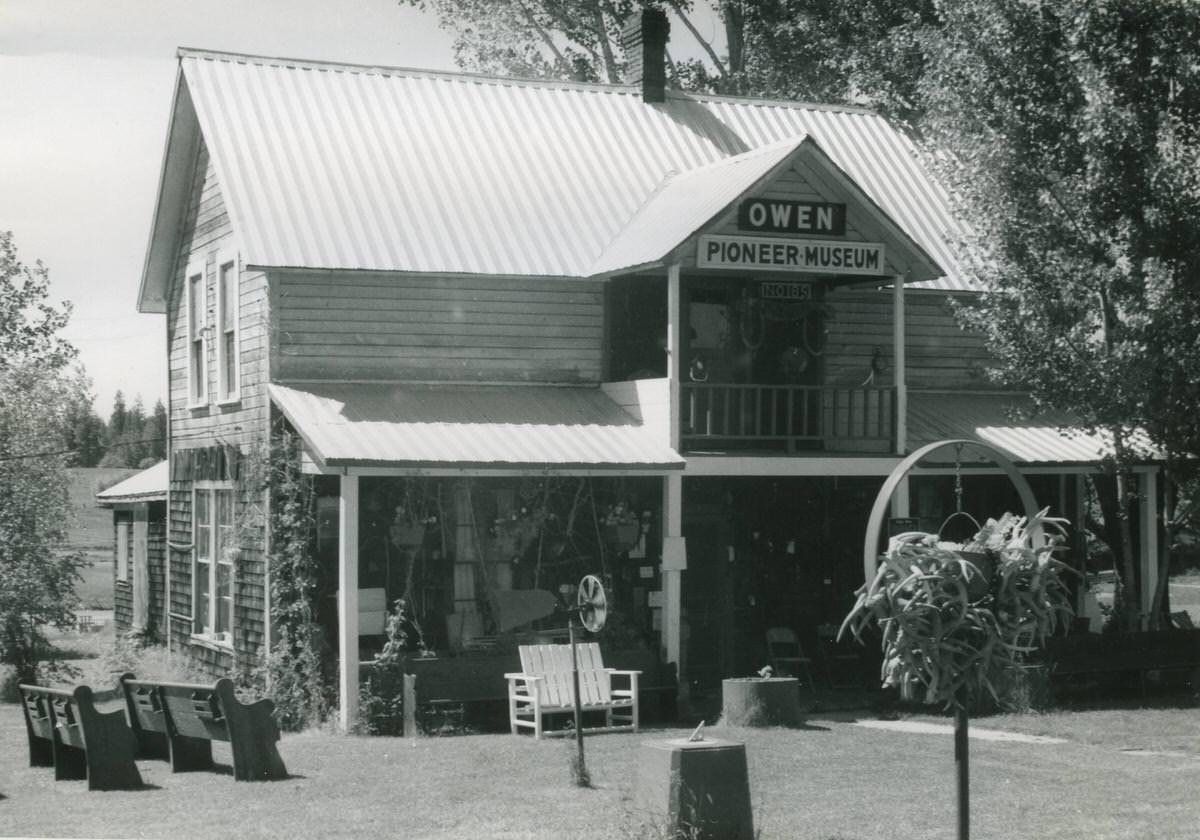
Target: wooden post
141, 571
900, 365
348, 602
1148, 540
963, 766
581, 774
674, 554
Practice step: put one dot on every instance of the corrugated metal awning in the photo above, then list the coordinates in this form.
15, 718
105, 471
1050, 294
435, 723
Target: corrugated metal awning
1006, 422
149, 485
471, 426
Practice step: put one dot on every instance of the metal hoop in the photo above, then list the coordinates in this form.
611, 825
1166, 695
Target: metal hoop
875, 521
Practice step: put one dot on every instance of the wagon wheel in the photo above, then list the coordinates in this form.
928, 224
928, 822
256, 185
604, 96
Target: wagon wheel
592, 605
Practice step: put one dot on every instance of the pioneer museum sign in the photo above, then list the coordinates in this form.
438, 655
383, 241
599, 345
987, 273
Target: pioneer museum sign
778, 254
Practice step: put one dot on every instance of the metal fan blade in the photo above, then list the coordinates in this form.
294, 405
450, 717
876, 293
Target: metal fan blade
592, 604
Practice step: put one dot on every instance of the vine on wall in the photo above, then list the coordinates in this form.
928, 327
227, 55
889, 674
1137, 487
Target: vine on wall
295, 667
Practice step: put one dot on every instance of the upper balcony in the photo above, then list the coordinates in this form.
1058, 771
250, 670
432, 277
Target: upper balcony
786, 367
787, 418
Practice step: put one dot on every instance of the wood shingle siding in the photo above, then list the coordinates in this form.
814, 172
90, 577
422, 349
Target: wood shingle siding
208, 237
393, 327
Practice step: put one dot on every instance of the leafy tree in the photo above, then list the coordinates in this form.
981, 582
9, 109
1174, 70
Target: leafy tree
571, 39
84, 430
37, 388
154, 433
1068, 133
116, 420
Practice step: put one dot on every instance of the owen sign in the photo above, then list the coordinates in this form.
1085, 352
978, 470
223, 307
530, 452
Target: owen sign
769, 215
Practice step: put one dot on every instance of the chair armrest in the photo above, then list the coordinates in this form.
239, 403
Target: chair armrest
523, 684
632, 676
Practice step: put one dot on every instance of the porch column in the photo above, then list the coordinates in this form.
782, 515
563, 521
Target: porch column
1078, 517
674, 555
674, 563
348, 602
141, 568
1148, 539
900, 498
900, 374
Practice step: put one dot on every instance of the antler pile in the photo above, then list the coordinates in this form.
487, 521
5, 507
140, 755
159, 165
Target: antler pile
948, 625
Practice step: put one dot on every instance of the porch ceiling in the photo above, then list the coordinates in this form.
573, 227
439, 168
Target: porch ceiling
1007, 422
477, 426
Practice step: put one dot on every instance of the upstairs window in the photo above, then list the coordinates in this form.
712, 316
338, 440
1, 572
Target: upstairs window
214, 550
197, 330
227, 328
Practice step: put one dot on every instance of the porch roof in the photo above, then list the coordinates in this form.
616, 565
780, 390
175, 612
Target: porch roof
1007, 421
471, 426
149, 485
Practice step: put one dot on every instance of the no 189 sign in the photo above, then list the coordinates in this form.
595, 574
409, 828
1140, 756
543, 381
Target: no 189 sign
785, 291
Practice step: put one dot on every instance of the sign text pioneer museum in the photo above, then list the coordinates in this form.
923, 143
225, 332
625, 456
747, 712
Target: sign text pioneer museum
769, 253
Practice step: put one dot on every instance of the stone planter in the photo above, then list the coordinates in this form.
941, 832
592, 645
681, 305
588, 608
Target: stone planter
695, 789
761, 701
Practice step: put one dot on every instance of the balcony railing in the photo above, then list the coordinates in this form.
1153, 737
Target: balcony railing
819, 417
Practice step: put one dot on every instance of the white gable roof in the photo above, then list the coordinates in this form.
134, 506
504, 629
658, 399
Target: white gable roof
346, 167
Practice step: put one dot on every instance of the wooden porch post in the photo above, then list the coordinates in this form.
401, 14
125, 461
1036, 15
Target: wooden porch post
674, 556
900, 364
140, 574
348, 602
900, 499
1148, 540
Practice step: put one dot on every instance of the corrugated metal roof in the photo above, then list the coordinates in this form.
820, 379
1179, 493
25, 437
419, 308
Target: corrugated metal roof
339, 166
1046, 438
470, 425
149, 485
684, 202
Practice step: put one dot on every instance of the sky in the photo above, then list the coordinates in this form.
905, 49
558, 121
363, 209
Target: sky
85, 90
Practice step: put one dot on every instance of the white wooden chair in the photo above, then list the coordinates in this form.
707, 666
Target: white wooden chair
545, 688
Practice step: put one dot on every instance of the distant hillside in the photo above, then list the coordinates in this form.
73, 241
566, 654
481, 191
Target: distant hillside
92, 525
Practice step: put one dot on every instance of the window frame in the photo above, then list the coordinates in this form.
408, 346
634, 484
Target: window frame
225, 393
124, 549
217, 551
197, 328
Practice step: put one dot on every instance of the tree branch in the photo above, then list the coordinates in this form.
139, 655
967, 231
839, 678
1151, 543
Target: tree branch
704, 44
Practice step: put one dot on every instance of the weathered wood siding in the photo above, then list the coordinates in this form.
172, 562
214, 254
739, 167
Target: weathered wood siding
156, 554
342, 326
122, 589
939, 353
207, 232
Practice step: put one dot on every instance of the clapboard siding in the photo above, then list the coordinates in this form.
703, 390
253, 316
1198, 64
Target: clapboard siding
208, 233
939, 354
396, 327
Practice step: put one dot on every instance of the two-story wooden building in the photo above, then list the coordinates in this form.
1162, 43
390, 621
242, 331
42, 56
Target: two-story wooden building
729, 316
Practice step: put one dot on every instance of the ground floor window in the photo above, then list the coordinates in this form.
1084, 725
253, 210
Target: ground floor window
214, 552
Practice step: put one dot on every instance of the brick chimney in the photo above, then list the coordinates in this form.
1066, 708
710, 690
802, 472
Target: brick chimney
645, 41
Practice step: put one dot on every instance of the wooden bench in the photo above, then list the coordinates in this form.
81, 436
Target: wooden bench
67, 732
544, 687
179, 721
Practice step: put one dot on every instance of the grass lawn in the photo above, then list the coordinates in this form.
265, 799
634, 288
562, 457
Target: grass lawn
831, 780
